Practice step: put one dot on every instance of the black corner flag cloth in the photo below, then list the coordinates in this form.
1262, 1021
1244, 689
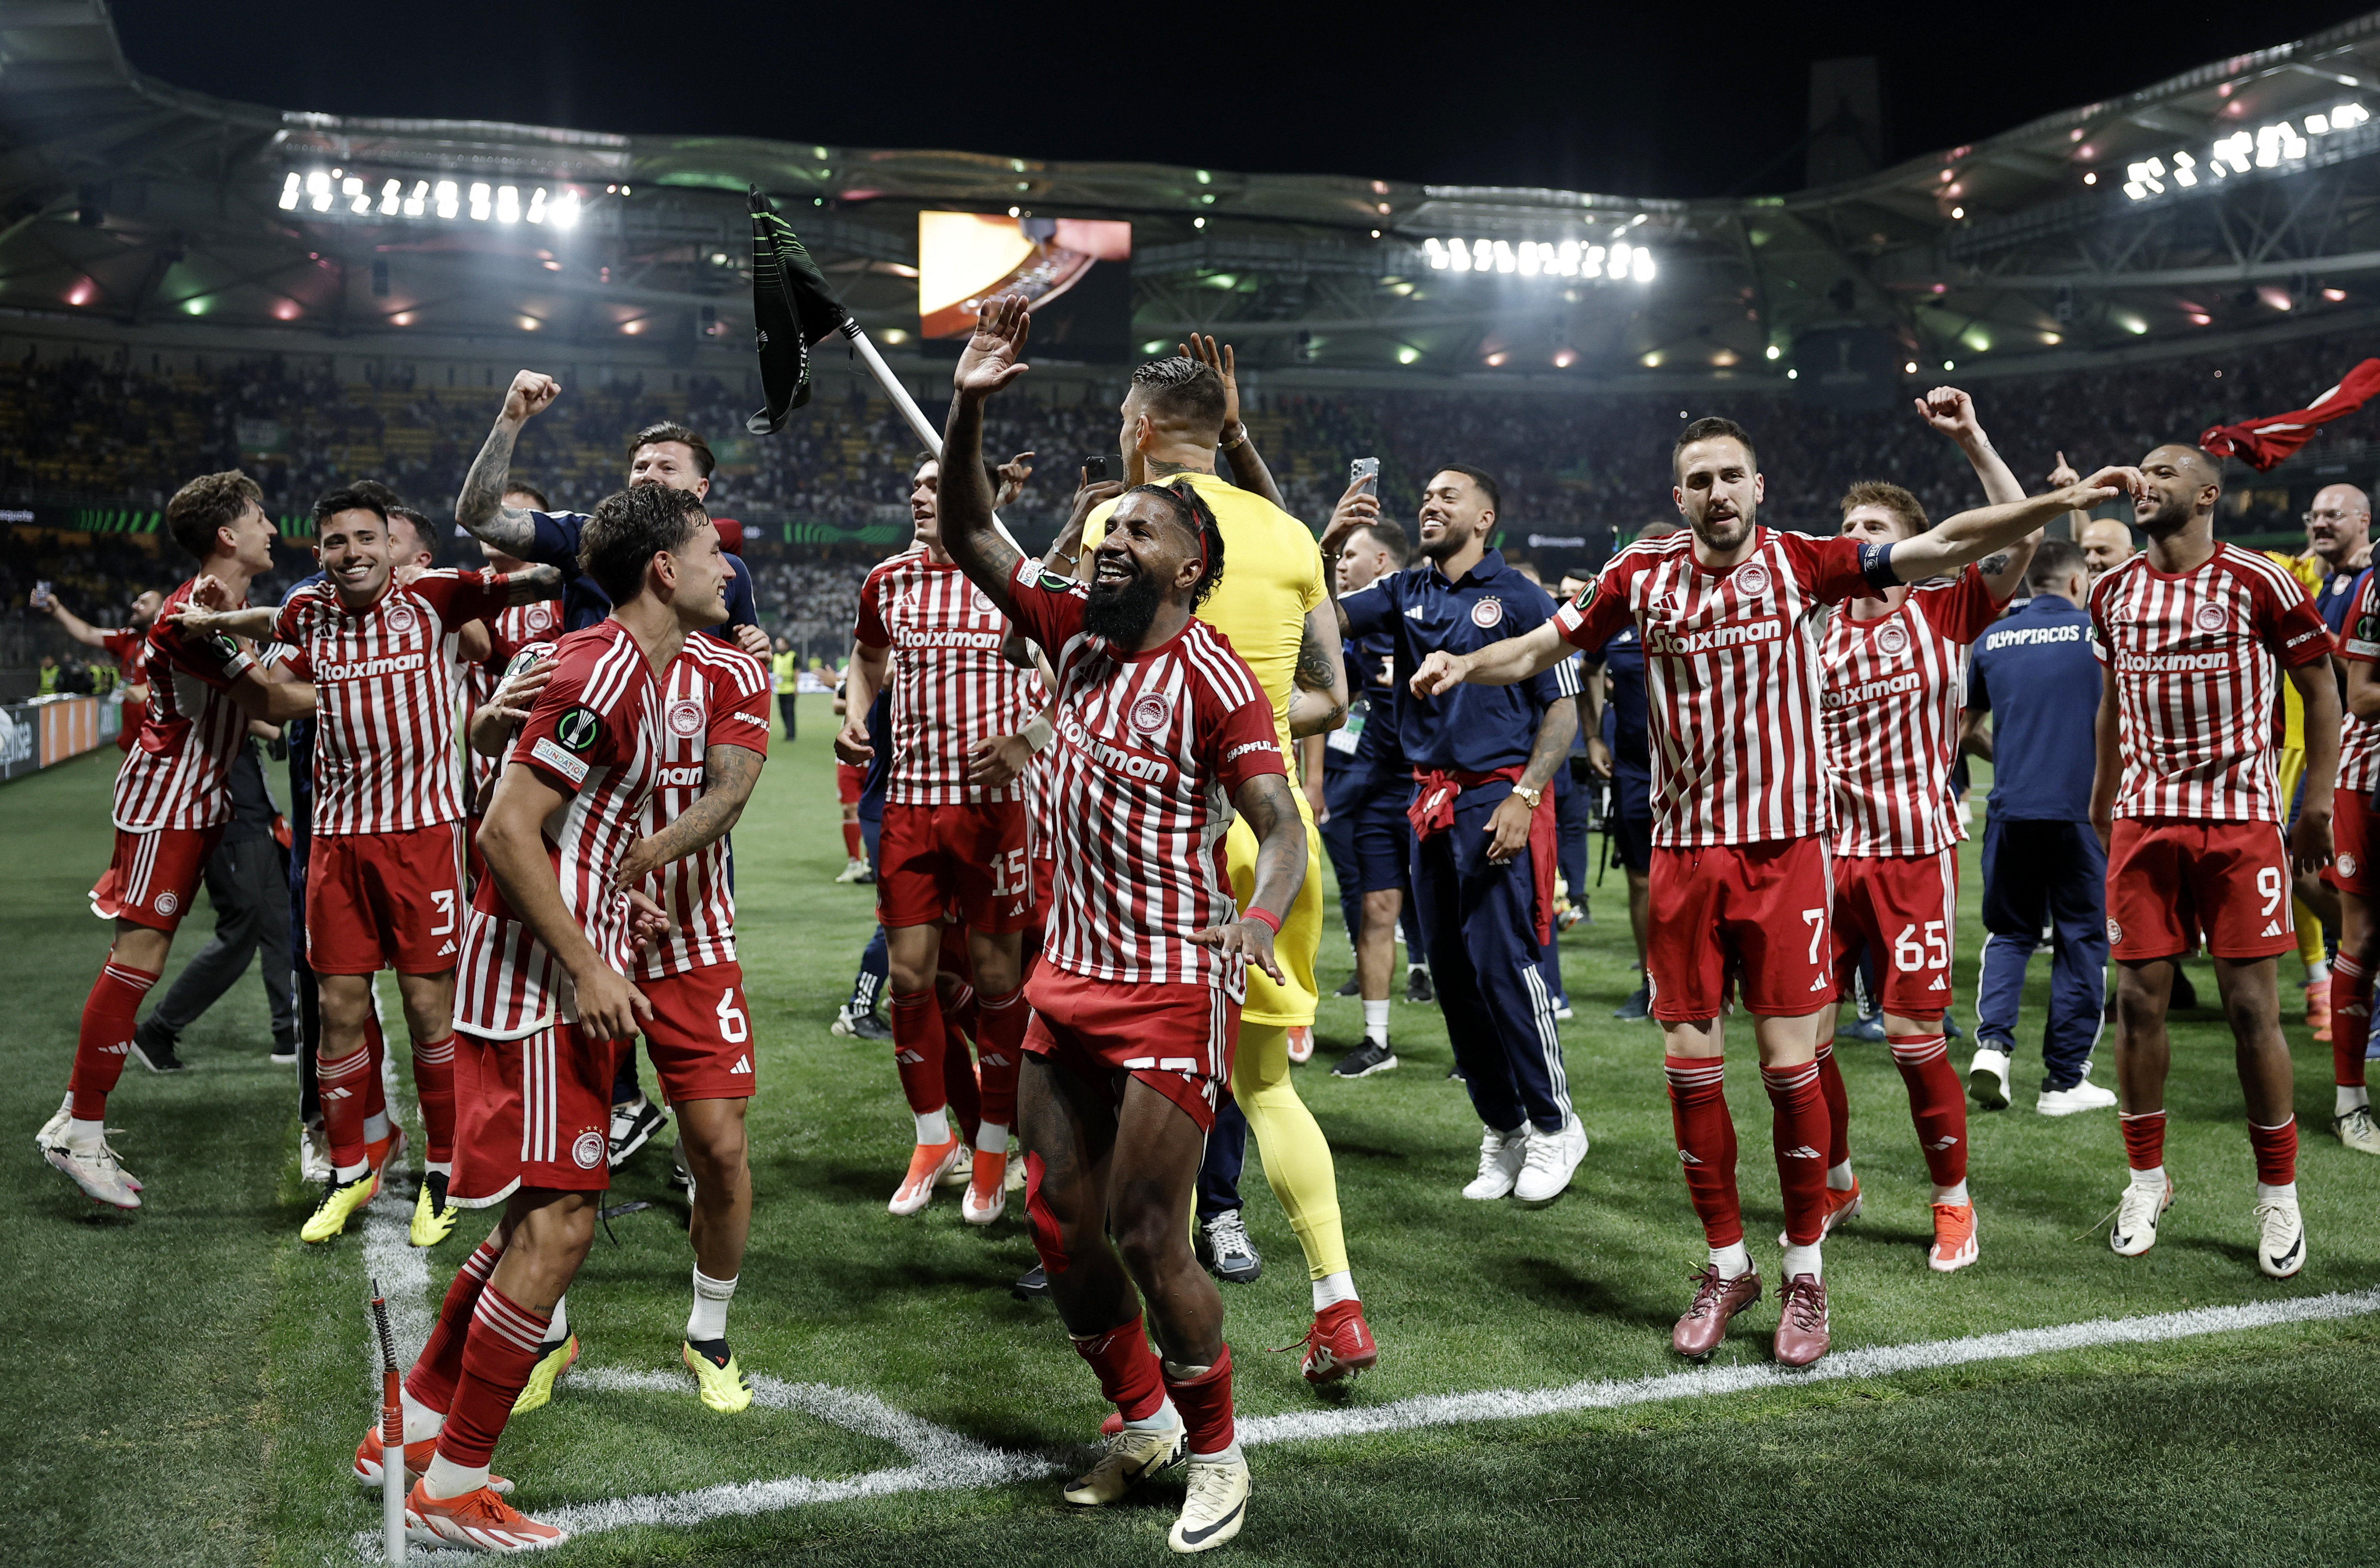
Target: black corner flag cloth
792, 311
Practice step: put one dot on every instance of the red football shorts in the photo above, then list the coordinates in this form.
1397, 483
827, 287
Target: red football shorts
932, 861
700, 1037
2169, 880
848, 782
155, 876
2352, 823
1177, 1039
533, 1112
385, 901
1761, 909
1902, 909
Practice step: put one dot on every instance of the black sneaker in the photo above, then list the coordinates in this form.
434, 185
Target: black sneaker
2185, 995
285, 1053
1417, 986
631, 1125
154, 1043
1366, 1059
852, 1024
1454, 1075
1034, 1286
1353, 987
1225, 1251
1637, 1008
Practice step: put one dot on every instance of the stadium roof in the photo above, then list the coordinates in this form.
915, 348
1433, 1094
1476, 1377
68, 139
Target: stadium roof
2239, 196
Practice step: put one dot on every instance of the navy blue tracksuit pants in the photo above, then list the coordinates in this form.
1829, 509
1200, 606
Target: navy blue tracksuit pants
2044, 881
1486, 961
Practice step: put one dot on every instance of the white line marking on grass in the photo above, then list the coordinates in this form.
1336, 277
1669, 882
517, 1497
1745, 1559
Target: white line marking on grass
941, 1459
402, 1270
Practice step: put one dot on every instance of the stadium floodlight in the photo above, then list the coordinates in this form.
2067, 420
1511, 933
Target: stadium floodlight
1435, 251
482, 200
291, 189
1528, 260
1640, 265
2349, 116
1775, 353
1566, 259
1590, 261
448, 195
2317, 124
1505, 262
565, 210
2185, 169
392, 198
353, 190
1565, 357
537, 206
508, 204
1407, 355
318, 186
413, 204
1619, 254
1459, 255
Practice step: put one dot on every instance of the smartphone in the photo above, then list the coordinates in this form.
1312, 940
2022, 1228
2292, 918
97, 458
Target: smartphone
1094, 470
42, 595
1366, 471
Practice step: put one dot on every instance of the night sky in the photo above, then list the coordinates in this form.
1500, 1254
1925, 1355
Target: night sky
1654, 99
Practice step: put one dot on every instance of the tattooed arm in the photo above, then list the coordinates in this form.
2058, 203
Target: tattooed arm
1320, 703
480, 508
532, 585
728, 774
1266, 802
1508, 823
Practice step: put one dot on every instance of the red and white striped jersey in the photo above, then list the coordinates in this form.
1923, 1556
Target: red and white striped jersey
508, 632
2196, 658
177, 774
2359, 739
712, 695
1151, 747
1731, 677
1891, 691
950, 686
386, 757
595, 735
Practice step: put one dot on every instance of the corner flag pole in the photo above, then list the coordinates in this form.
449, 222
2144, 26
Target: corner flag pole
919, 426
392, 1435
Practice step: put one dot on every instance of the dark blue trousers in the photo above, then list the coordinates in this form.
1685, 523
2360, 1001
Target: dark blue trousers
2044, 881
1226, 1157
1486, 961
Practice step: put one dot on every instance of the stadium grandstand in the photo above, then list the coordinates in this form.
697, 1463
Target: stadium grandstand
189, 284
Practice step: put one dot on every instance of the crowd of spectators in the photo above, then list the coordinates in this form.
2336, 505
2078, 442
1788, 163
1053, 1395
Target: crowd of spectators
103, 432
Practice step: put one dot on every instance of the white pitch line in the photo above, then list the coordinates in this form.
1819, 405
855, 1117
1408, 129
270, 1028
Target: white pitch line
941, 1459
401, 1270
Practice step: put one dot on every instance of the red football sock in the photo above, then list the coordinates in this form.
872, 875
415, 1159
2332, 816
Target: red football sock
1937, 1103
2143, 1139
342, 1084
999, 1051
1206, 1405
498, 1356
433, 1086
1838, 1106
917, 1050
1127, 1370
106, 1037
433, 1378
1706, 1143
959, 1086
2351, 1020
1799, 1121
2276, 1152
854, 846
375, 1091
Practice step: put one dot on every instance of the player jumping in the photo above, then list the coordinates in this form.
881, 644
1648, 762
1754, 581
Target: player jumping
1738, 880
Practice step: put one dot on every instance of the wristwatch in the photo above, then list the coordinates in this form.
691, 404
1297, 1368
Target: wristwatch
1530, 798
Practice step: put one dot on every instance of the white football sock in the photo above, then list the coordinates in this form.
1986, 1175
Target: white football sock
446, 1478
1802, 1260
2287, 1194
709, 1319
933, 1127
1230, 1455
376, 1126
1840, 1178
354, 1172
557, 1327
1954, 1194
2317, 971
1376, 1020
2152, 1177
85, 1133
990, 1137
1333, 1289
1164, 1419
2350, 1097
420, 1421
438, 1168
1732, 1262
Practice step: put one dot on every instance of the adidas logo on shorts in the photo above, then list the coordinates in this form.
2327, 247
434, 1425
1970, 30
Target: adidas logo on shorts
743, 1064
2273, 928
448, 950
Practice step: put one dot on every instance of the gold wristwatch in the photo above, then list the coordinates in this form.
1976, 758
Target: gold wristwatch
1530, 797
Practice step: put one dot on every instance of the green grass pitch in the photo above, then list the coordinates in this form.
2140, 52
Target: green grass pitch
187, 1385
